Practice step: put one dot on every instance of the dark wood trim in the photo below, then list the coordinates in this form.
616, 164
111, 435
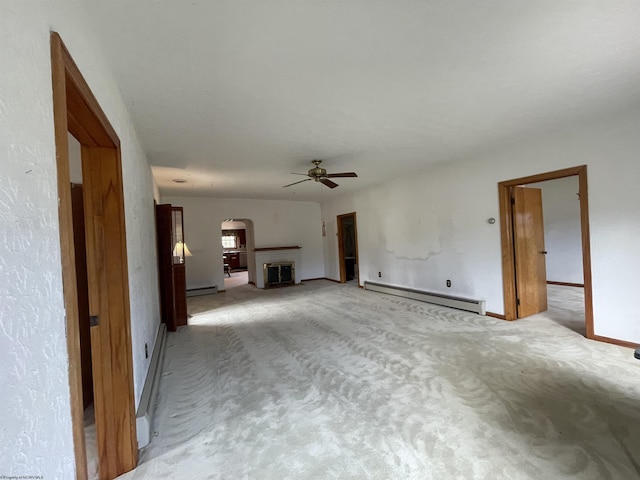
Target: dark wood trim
495, 315
506, 230
221, 291
565, 284
332, 280
266, 249
312, 279
615, 341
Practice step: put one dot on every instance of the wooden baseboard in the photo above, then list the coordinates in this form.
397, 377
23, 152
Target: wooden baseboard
495, 315
615, 341
332, 280
565, 284
221, 291
312, 279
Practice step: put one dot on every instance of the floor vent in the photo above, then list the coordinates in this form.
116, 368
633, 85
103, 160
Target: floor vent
144, 416
477, 306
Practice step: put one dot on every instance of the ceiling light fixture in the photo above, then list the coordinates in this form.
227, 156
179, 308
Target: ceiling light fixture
179, 180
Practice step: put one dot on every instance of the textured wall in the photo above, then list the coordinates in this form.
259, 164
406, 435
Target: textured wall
35, 428
423, 230
276, 223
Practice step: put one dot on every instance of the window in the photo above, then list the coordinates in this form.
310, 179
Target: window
229, 241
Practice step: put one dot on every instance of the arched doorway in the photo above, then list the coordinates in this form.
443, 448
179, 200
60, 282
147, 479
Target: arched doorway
238, 254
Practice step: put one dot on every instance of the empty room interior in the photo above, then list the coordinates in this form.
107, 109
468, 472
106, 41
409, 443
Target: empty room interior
320, 240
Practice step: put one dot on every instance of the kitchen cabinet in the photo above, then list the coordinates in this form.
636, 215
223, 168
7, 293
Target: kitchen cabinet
233, 259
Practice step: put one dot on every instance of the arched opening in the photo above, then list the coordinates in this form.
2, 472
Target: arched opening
238, 244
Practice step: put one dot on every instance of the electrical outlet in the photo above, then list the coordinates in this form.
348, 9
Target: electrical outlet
146, 350
379, 274
448, 283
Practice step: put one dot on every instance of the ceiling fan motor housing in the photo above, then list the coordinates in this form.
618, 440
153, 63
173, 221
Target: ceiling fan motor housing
317, 172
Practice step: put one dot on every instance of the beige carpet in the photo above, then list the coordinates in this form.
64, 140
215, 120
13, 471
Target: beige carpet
324, 381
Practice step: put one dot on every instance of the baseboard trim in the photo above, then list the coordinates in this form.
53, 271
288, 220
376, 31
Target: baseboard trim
565, 284
495, 315
615, 341
221, 291
144, 416
332, 280
312, 279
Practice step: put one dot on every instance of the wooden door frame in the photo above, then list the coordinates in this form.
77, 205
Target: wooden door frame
343, 271
508, 253
76, 110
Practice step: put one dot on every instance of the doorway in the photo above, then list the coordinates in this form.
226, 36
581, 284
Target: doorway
523, 256
348, 248
77, 112
238, 255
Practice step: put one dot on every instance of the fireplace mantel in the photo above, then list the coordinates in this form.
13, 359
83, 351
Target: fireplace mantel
275, 255
267, 249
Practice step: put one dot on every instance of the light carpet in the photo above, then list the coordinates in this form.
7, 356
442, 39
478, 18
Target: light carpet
325, 381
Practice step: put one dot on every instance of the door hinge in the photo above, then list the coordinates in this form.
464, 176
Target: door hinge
94, 321
513, 201
518, 302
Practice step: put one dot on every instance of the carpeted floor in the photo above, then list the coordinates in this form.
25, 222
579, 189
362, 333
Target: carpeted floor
326, 381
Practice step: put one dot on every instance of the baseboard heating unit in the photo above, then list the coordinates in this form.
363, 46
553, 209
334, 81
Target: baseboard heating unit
194, 292
476, 306
144, 416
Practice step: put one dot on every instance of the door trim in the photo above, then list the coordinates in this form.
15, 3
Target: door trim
343, 270
76, 110
506, 233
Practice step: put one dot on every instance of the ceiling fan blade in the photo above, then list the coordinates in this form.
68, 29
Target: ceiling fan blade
295, 183
344, 175
328, 183
294, 173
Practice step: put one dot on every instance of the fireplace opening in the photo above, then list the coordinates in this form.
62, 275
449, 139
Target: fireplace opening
280, 273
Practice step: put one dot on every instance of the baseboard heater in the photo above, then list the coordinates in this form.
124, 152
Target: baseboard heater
194, 292
476, 306
144, 417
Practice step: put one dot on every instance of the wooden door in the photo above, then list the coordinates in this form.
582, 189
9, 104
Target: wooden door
528, 239
109, 307
165, 265
171, 267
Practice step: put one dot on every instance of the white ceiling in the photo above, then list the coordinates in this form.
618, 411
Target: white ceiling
234, 95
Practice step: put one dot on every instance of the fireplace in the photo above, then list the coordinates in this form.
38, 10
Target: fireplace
279, 273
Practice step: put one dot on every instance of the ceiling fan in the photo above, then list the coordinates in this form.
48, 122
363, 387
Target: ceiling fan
320, 175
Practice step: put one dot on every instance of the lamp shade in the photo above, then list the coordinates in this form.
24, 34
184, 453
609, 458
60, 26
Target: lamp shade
181, 249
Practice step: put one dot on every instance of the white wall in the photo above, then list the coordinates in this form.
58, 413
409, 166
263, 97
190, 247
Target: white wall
423, 230
35, 427
562, 234
276, 223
